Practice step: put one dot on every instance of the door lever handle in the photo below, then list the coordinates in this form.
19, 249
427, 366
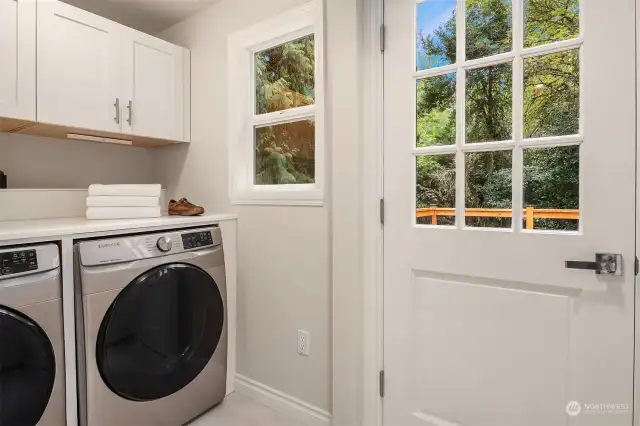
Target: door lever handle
605, 264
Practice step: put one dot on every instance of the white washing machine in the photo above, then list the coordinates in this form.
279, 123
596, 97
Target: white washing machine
152, 327
32, 387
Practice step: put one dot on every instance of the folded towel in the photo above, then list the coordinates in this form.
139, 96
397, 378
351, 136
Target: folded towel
126, 190
122, 212
121, 201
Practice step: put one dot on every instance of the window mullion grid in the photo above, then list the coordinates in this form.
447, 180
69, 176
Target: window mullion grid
555, 47
285, 116
460, 221
517, 187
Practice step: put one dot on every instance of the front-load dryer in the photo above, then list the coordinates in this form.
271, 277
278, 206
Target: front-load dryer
32, 381
152, 333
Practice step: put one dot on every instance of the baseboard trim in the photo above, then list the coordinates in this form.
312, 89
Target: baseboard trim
306, 414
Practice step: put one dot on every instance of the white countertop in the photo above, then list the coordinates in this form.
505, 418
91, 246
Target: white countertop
48, 228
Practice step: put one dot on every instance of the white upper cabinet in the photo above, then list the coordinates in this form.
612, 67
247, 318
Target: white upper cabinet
98, 75
78, 68
18, 59
155, 87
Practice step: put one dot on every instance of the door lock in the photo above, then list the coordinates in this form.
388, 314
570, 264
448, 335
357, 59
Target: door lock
605, 264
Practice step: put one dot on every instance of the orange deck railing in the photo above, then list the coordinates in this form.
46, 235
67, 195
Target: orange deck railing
529, 214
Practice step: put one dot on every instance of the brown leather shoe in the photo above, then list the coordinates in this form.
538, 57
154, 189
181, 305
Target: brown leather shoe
184, 208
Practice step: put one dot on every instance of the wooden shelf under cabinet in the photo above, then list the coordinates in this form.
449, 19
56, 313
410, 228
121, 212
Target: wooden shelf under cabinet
12, 124
61, 132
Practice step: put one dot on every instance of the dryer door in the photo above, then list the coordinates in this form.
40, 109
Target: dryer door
160, 332
27, 369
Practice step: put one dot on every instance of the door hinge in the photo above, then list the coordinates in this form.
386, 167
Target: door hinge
382, 211
637, 266
381, 378
383, 38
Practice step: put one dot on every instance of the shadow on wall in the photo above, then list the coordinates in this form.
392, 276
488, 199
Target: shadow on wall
170, 169
34, 162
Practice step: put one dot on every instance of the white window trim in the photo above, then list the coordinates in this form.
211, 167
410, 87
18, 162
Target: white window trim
288, 26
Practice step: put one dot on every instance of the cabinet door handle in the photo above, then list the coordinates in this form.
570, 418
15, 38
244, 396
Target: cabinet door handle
130, 108
117, 105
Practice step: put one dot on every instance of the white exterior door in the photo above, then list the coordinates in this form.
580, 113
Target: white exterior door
509, 149
18, 59
155, 86
79, 68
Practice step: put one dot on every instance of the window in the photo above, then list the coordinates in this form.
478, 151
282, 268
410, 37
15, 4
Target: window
498, 126
276, 116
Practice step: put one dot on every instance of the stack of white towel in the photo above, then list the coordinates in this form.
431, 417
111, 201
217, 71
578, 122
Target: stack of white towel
123, 201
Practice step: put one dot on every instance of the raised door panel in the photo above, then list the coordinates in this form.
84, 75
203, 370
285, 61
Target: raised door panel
78, 68
18, 59
156, 103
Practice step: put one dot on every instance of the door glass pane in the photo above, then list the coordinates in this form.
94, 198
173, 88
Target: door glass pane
552, 94
488, 25
551, 188
547, 21
488, 189
285, 76
285, 153
436, 189
436, 110
436, 33
488, 104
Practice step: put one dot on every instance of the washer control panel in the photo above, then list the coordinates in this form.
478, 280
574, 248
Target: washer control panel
197, 239
18, 262
146, 246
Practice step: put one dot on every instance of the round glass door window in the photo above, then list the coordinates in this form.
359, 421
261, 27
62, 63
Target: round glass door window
160, 332
27, 369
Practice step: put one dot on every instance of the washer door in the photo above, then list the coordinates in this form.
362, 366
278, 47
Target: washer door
27, 369
160, 332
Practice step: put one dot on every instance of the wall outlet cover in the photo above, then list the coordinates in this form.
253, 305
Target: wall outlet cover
304, 343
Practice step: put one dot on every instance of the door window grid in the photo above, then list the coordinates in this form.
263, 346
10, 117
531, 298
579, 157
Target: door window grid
517, 143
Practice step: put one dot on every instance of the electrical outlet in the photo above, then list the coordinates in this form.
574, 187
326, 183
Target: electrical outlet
304, 344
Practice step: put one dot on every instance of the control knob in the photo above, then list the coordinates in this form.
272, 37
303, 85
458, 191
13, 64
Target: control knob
164, 244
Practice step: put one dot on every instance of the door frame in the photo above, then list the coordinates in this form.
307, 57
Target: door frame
636, 373
373, 193
372, 232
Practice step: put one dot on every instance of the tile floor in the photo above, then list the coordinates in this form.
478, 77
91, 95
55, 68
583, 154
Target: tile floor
238, 410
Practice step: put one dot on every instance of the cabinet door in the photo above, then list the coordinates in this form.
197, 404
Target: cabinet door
18, 59
78, 68
155, 86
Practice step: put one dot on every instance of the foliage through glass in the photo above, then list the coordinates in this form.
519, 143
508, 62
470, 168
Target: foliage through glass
551, 107
436, 110
285, 79
285, 154
436, 33
552, 95
488, 186
548, 21
285, 76
488, 104
436, 188
552, 181
488, 24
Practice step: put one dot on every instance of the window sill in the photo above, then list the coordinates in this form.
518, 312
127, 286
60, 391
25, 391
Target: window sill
279, 198
299, 203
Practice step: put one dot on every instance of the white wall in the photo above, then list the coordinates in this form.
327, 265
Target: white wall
34, 162
284, 273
